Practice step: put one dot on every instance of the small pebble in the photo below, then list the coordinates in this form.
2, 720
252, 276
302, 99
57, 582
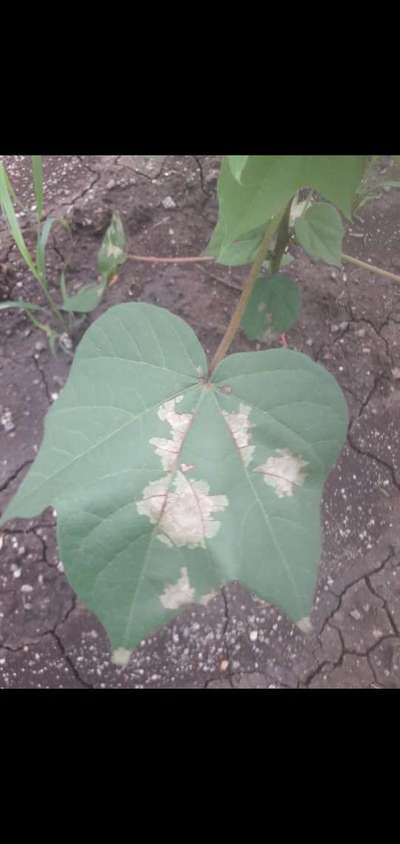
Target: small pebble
355, 614
168, 202
7, 421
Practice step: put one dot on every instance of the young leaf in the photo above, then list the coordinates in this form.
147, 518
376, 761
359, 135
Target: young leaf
237, 164
37, 172
86, 300
320, 232
12, 220
297, 209
273, 307
269, 182
168, 485
112, 251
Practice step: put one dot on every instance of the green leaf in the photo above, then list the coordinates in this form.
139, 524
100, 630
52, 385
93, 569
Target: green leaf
242, 251
168, 485
12, 220
269, 182
273, 307
19, 303
10, 187
112, 251
37, 172
237, 164
41, 248
320, 232
217, 239
86, 300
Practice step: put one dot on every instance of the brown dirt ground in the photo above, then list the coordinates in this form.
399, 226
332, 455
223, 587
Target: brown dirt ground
349, 322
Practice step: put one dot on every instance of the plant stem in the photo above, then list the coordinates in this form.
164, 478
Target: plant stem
282, 240
53, 307
154, 260
36, 322
370, 267
248, 286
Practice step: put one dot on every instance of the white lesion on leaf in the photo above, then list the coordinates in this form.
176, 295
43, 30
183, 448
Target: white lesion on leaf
167, 450
205, 599
178, 594
284, 471
186, 467
113, 251
239, 424
182, 509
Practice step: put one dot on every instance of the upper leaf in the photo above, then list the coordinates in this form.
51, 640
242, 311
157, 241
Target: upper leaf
320, 232
237, 253
167, 484
269, 181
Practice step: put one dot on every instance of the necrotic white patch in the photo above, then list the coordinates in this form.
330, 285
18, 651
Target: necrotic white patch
113, 251
284, 472
240, 425
182, 509
167, 450
177, 594
205, 599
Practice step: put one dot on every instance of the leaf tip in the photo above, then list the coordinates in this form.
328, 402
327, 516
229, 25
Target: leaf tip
305, 625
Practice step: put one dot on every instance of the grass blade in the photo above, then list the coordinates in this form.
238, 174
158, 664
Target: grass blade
37, 172
41, 248
13, 224
10, 187
19, 303
63, 288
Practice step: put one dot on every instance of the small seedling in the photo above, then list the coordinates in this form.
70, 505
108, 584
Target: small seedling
52, 318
